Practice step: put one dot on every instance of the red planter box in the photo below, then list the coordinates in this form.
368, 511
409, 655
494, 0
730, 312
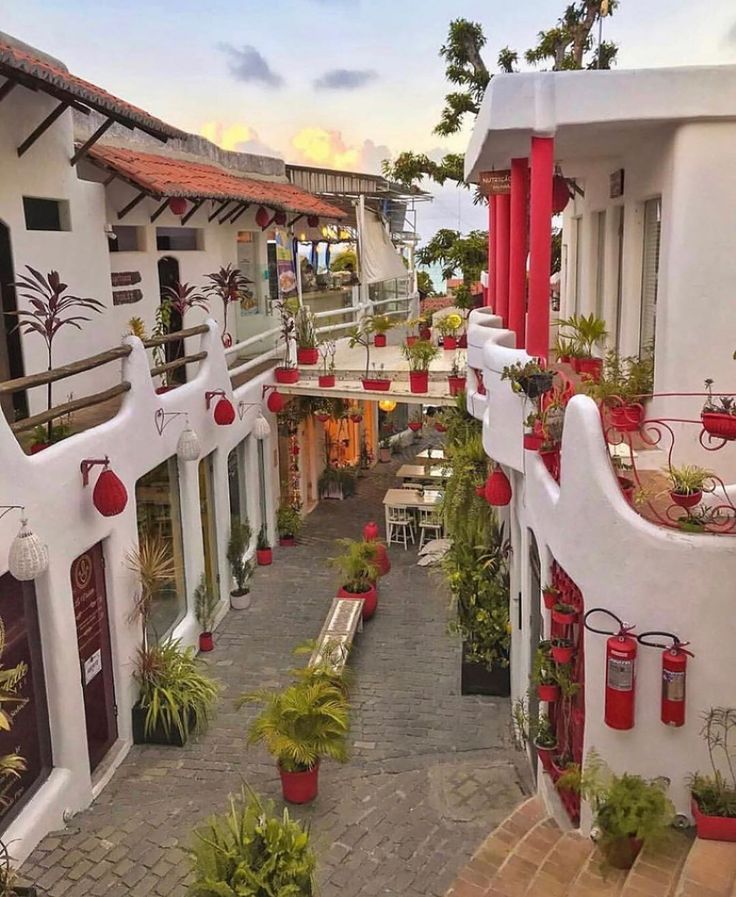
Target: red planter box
379, 340
723, 425
206, 642
264, 556
307, 356
533, 442
550, 599
326, 380
565, 619
551, 459
713, 828
375, 385
418, 381
287, 375
548, 693
589, 367
626, 418
457, 385
449, 343
300, 787
370, 600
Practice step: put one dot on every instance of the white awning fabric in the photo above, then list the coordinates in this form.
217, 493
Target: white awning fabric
379, 259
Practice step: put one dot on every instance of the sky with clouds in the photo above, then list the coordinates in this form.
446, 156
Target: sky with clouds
336, 83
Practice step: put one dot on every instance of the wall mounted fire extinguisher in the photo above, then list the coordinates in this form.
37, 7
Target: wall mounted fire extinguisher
620, 691
674, 675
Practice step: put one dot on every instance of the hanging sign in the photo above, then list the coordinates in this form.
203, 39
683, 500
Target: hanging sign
493, 183
285, 271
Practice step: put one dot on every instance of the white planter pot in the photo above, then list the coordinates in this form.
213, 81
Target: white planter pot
240, 602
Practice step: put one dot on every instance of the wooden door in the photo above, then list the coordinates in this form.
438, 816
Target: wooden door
95, 655
168, 277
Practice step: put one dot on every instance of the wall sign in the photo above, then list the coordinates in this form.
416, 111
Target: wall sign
125, 278
126, 297
616, 181
493, 183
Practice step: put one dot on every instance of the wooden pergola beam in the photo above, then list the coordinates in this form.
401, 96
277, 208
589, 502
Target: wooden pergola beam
160, 210
44, 126
194, 209
228, 215
218, 210
91, 141
294, 221
6, 88
244, 209
131, 205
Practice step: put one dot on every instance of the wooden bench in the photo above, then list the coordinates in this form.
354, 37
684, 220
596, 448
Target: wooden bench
344, 619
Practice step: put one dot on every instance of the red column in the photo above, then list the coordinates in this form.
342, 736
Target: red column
517, 251
491, 295
503, 215
540, 245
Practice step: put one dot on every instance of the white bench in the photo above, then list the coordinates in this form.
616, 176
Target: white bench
344, 619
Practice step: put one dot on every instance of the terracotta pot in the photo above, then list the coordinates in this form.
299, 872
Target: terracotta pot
713, 828
462, 341
287, 541
300, 787
562, 654
410, 340
457, 385
622, 852
550, 598
425, 333
688, 500
626, 418
326, 380
379, 340
375, 384
206, 642
565, 619
590, 368
449, 343
370, 599
418, 381
549, 693
287, 375
545, 755
723, 425
308, 355
533, 441
264, 556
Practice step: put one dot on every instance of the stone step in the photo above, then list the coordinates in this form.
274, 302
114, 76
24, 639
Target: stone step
475, 879
656, 871
596, 879
519, 867
560, 867
709, 870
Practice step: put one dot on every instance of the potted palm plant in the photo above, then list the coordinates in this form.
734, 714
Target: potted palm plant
629, 811
327, 350
419, 355
714, 795
154, 568
719, 414
176, 698
585, 333
380, 326
448, 327
264, 552
299, 726
250, 843
230, 285
623, 387
687, 484
289, 524
358, 573
241, 569
205, 610
307, 347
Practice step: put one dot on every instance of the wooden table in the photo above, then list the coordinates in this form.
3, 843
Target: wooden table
410, 499
422, 473
438, 454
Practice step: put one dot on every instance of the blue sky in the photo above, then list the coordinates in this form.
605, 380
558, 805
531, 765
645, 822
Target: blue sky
340, 83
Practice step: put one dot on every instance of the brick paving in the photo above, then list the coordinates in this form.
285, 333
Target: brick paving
431, 772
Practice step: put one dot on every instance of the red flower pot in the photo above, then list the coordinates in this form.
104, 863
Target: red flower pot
264, 556
626, 418
379, 340
533, 441
712, 828
440, 428
717, 424
548, 693
590, 368
688, 500
287, 375
450, 343
562, 654
565, 619
622, 852
160, 390
418, 381
206, 642
545, 756
550, 599
370, 599
498, 489
300, 787
628, 488
410, 340
462, 341
425, 333
287, 541
375, 385
415, 426
322, 418
307, 355
457, 385
551, 459
382, 560
326, 380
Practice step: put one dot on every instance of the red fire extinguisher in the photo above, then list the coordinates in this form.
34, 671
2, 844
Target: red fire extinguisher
674, 676
620, 671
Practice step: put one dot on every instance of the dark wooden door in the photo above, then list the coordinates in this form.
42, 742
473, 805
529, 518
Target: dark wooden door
11, 357
95, 655
168, 276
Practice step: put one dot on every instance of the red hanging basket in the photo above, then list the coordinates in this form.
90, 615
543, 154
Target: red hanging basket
498, 489
548, 692
560, 194
262, 217
224, 412
322, 418
627, 418
178, 205
415, 425
275, 402
456, 384
109, 495
718, 424
687, 500
440, 428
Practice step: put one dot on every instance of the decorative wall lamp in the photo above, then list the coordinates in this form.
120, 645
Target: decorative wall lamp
261, 428
224, 412
387, 405
28, 556
109, 495
187, 447
275, 401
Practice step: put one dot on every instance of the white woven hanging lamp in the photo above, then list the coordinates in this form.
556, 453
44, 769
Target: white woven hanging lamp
28, 556
261, 427
188, 447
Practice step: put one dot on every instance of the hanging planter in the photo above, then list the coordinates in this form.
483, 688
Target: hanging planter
718, 424
325, 381
307, 355
286, 375
418, 381
564, 614
626, 418
356, 417
687, 499
562, 650
440, 428
550, 596
549, 693
449, 343
415, 425
300, 787
456, 384
545, 752
462, 341
178, 205
322, 416
498, 489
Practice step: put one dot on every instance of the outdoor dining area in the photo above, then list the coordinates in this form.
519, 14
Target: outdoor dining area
412, 508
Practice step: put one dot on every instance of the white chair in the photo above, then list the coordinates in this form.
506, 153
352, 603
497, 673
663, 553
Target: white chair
430, 526
400, 527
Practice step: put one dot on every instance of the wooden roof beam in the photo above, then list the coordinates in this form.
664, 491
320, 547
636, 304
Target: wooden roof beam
43, 127
239, 206
235, 217
193, 211
131, 205
218, 210
294, 221
91, 141
6, 88
159, 211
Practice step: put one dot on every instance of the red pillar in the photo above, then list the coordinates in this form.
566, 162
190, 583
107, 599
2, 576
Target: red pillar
517, 251
491, 295
503, 214
540, 245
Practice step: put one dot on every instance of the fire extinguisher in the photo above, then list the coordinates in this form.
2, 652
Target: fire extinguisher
621, 649
674, 676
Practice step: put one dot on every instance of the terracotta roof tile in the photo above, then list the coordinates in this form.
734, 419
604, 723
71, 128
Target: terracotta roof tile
19, 60
168, 176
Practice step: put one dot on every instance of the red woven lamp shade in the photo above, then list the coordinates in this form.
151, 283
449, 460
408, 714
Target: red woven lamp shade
560, 194
109, 495
178, 205
498, 489
280, 218
224, 412
313, 221
275, 402
262, 217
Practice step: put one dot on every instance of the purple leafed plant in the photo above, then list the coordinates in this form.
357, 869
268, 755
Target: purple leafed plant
231, 285
183, 296
52, 309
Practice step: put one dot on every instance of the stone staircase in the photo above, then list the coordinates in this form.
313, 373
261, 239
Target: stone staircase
529, 855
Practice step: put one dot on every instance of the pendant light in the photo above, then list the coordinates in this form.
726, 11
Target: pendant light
261, 428
188, 447
28, 557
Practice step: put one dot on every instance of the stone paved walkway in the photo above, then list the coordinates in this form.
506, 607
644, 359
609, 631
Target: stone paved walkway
431, 773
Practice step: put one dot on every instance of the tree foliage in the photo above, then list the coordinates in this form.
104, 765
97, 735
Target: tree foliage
455, 252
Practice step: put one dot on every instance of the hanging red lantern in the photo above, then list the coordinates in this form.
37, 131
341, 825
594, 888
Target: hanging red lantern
275, 402
295, 449
560, 194
178, 205
356, 418
370, 531
498, 488
313, 221
280, 218
224, 412
262, 217
415, 425
109, 495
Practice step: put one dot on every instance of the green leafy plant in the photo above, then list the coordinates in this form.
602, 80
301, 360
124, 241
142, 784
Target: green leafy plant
334, 479
205, 604
356, 565
288, 521
585, 332
688, 479
715, 792
718, 404
12, 765
174, 692
327, 350
544, 671
545, 735
360, 335
459, 366
305, 329
301, 724
44, 435
448, 325
420, 354
629, 379
287, 309
230, 285
237, 546
262, 543
530, 378
154, 568
380, 324
250, 852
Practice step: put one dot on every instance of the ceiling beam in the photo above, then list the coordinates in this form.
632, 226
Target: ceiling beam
195, 208
91, 141
6, 88
131, 205
159, 211
235, 218
218, 210
40, 129
229, 215
294, 221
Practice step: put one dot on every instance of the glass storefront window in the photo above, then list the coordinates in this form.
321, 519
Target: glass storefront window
207, 517
159, 514
236, 480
